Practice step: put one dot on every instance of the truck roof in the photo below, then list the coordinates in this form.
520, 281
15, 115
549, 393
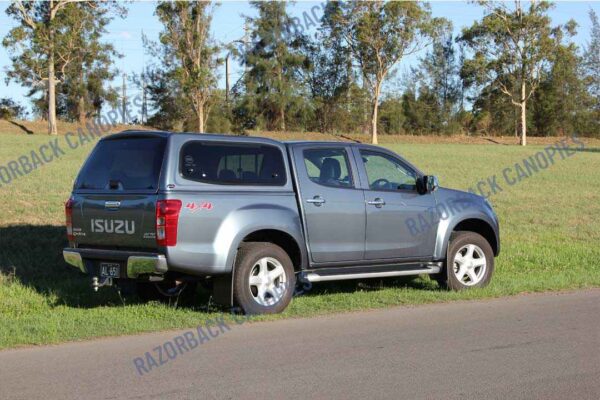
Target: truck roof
137, 132
225, 137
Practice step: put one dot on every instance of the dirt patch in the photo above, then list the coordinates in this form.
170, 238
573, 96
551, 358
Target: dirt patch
420, 139
40, 128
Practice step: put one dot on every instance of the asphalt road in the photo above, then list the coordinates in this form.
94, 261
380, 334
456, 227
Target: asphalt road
525, 347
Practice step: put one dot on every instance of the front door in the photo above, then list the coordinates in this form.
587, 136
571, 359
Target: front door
332, 202
393, 202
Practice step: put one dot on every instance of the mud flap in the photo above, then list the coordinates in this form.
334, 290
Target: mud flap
223, 290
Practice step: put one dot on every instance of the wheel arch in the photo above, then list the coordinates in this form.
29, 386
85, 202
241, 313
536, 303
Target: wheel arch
280, 238
475, 223
480, 227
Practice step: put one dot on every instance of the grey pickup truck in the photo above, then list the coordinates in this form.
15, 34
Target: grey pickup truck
252, 218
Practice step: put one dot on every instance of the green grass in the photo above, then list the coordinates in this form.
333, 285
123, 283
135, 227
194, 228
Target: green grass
550, 229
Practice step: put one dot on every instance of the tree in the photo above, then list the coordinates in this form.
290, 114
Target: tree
562, 103
330, 76
439, 87
188, 53
274, 64
165, 99
441, 74
41, 45
84, 86
380, 34
50, 42
592, 60
511, 47
391, 118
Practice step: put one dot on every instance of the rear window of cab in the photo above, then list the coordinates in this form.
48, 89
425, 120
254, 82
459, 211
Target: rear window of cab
232, 163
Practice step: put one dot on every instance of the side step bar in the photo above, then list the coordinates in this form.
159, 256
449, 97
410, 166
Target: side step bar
371, 272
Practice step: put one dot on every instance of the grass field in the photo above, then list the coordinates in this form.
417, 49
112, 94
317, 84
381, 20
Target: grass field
550, 229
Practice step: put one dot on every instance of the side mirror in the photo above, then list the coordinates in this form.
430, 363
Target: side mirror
431, 183
427, 184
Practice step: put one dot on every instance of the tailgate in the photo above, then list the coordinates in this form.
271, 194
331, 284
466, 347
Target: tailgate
115, 221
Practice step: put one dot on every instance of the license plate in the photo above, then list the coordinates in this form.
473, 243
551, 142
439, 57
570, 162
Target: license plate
110, 270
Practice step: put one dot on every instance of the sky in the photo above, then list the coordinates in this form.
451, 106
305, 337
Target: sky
228, 25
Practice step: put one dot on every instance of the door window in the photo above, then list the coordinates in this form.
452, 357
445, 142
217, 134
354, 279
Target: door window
384, 172
328, 167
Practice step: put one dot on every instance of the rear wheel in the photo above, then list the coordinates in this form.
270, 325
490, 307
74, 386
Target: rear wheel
264, 278
469, 263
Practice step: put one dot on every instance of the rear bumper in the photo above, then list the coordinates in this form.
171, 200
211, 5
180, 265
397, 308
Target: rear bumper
136, 264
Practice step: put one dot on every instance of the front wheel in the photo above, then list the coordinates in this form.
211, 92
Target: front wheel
469, 262
264, 278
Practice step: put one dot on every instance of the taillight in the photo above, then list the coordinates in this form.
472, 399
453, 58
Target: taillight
167, 218
69, 219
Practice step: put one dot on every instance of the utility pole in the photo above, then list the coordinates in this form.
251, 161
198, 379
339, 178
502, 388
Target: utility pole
124, 105
144, 104
227, 78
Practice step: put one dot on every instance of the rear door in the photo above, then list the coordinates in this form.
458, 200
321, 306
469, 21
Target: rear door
392, 200
331, 202
116, 191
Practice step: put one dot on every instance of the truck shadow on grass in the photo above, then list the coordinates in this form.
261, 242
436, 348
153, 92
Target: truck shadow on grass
374, 284
33, 254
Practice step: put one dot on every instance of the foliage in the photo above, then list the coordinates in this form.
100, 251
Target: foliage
379, 34
562, 102
511, 48
510, 71
52, 45
433, 99
272, 94
591, 62
10, 109
165, 99
187, 53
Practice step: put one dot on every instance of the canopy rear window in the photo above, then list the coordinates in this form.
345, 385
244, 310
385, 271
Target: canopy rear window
132, 163
232, 163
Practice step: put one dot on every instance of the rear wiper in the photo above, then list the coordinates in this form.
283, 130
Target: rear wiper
115, 184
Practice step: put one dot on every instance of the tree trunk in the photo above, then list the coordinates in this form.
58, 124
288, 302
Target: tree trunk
52, 128
200, 114
523, 115
516, 123
82, 117
282, 118
374, 123
375, 109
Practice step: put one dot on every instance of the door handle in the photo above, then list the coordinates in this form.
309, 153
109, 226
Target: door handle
317, 201
377, 202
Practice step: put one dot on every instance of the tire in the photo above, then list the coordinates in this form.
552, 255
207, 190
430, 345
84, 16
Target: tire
264, 278
469, 262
